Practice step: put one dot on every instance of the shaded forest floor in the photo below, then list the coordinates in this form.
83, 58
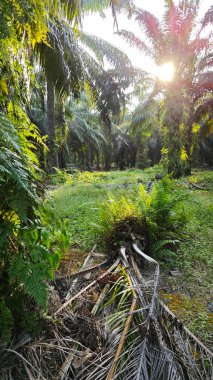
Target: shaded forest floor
186, 280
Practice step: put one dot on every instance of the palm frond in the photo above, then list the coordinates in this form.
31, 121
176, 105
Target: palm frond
205, 62
151, 26
199, 45
203, 107
170, 18
203, 84
97, 5
208, 17
60, 58
107, 91
103, 49
143, 111
71, 9
85, 134
133, 40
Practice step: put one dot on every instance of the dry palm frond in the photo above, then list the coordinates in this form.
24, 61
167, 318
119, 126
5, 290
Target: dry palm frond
146, 352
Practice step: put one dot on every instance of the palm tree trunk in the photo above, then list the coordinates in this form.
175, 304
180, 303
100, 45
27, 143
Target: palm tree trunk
61, 123
108, 157
52, 161
173, 122
108, 135
97, 160
188, 138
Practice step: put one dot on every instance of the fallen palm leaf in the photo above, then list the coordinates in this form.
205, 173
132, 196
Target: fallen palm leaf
124, 333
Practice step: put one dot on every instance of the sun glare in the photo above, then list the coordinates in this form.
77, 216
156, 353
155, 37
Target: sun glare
165, 72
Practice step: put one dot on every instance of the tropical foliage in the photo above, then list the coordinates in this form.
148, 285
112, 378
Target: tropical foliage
33, 32
60, 108
158, 217
30, 245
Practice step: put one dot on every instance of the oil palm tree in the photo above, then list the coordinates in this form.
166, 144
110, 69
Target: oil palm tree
68, 65
145, 129
85, 139
202, 132
178, 38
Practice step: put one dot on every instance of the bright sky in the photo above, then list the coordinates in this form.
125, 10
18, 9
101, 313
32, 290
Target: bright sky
103, 28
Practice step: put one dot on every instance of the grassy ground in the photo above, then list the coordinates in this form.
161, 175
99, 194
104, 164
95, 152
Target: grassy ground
79, 201
188, 293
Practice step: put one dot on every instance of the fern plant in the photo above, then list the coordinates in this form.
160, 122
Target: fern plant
162, 210
114, 211
159, 217
32, 240
41, 245
162, 249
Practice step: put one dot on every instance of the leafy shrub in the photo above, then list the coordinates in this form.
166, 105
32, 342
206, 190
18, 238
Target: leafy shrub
31, 260
89, 177
39, 248
113, 211
162, 210
60, 177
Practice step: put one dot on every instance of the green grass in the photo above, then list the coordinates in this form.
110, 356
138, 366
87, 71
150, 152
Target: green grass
196, 250
80, 201
195, 258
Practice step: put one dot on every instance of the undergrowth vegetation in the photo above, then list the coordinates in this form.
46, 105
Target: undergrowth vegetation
32, 238
160, 216
63, 176
96, 202
176, 217
35, 251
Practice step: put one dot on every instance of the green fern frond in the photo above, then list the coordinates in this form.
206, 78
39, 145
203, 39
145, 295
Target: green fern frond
159, 248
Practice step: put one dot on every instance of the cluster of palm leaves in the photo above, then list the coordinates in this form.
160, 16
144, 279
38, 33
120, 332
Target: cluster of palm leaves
68, 67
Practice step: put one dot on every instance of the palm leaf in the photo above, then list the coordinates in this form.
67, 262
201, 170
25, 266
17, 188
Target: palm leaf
103, 49
143, 112
151, 27
134, 41
61, 59
208, 17
203, 107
